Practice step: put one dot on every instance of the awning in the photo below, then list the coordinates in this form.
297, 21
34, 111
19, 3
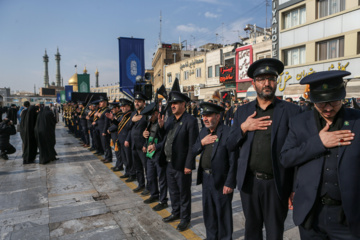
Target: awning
251, 93
241, 94
353, 89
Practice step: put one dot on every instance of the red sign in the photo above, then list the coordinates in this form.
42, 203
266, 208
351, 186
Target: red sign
227, 74
244, 58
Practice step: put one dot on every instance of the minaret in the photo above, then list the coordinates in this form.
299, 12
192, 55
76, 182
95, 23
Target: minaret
97, 78
57, 59
85, 71
46, 74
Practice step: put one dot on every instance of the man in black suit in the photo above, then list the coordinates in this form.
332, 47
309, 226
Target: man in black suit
136, 142
228, 113
115, 114
324, 146
102, 124
216, 173
180, 133
260, 128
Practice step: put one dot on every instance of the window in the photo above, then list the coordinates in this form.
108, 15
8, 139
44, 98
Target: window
328, 7
294, 56
198, 72
295, 17
169, 78
217, 70
210, 72
186, 75
177, 75
333, 48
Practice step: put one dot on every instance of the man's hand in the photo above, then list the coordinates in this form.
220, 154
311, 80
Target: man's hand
104, 134
291, 200
93, 123
336, 138
253, 124
108, 132
109, 115
126, 144
136, 118
87, 117
187, 171
144, 149
146, 133
208, 139
227, 190
151, 148
161, 120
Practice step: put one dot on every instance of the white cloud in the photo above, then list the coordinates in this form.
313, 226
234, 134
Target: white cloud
211, 15
191, 28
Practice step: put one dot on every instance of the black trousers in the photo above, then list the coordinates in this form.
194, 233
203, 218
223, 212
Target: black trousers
179, 185
329, 223
93, 145
126, 156
105, 142
156, 177
217, 210
85, 135
97, 139
139, 160
261, 205
8, 149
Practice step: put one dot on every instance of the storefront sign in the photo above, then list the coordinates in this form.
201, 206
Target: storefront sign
244, 58
192, 63
274, 29
227, 74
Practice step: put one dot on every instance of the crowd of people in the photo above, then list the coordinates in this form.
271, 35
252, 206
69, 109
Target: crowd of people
278, 154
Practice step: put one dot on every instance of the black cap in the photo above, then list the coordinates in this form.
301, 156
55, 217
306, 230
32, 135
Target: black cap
265, 66
102, 98
210, 108
140, 96
81, 102
326, 86
176, 96
13, 105
124, 101
301, 99
236, 101
149, 109
114, 103
96, 102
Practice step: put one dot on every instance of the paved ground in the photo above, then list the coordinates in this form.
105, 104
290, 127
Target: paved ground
60, 201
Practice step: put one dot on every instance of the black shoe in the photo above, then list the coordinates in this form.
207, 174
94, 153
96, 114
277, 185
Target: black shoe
92, 149
4, 156
145, 192
171, 218
131, 179
138, 189
107, 161
160, 206
57, 158
100, 153
183, 225
124, 176
116, 169
151, 200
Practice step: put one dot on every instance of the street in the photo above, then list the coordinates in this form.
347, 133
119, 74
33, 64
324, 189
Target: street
79, 197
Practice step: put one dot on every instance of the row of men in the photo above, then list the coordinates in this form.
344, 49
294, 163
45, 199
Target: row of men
273, 153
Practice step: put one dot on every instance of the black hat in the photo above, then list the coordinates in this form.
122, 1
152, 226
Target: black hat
124, 101
102, 98
265, 66
115, 103
81, 102
236, 101
96, 102
140, 96
209, 108
13, 105
149, 109
326, 86
176, 96
301, 99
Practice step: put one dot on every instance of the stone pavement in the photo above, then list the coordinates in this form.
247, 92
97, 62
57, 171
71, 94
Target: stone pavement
79, 197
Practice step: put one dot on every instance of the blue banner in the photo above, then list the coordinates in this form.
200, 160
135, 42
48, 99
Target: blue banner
131, 64
68, 91
58, 98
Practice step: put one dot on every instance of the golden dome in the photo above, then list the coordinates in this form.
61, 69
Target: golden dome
74, 82
85, 71
96, 72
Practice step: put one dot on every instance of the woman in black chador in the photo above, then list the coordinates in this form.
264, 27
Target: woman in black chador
28, 135
45, 135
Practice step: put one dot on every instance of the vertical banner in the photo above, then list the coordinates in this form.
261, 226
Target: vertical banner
68, 91
58, 98
62, 97
84, 83
131, 64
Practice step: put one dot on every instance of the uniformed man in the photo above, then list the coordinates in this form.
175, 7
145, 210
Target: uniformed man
324, 146
259, 129
181, 131
216, 173
116, 113
156, 164
102, 124
136, 142
228, 113
83, 124
90, 120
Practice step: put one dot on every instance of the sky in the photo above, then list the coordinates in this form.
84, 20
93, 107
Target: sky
86, 32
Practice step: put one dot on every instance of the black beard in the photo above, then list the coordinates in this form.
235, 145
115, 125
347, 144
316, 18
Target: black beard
265, 96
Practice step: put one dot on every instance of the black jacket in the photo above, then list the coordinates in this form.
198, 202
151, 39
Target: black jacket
5, 131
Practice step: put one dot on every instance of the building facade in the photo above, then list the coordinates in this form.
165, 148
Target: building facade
112, 91
316, 35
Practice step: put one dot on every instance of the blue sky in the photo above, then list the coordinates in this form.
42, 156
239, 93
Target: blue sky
86, 33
